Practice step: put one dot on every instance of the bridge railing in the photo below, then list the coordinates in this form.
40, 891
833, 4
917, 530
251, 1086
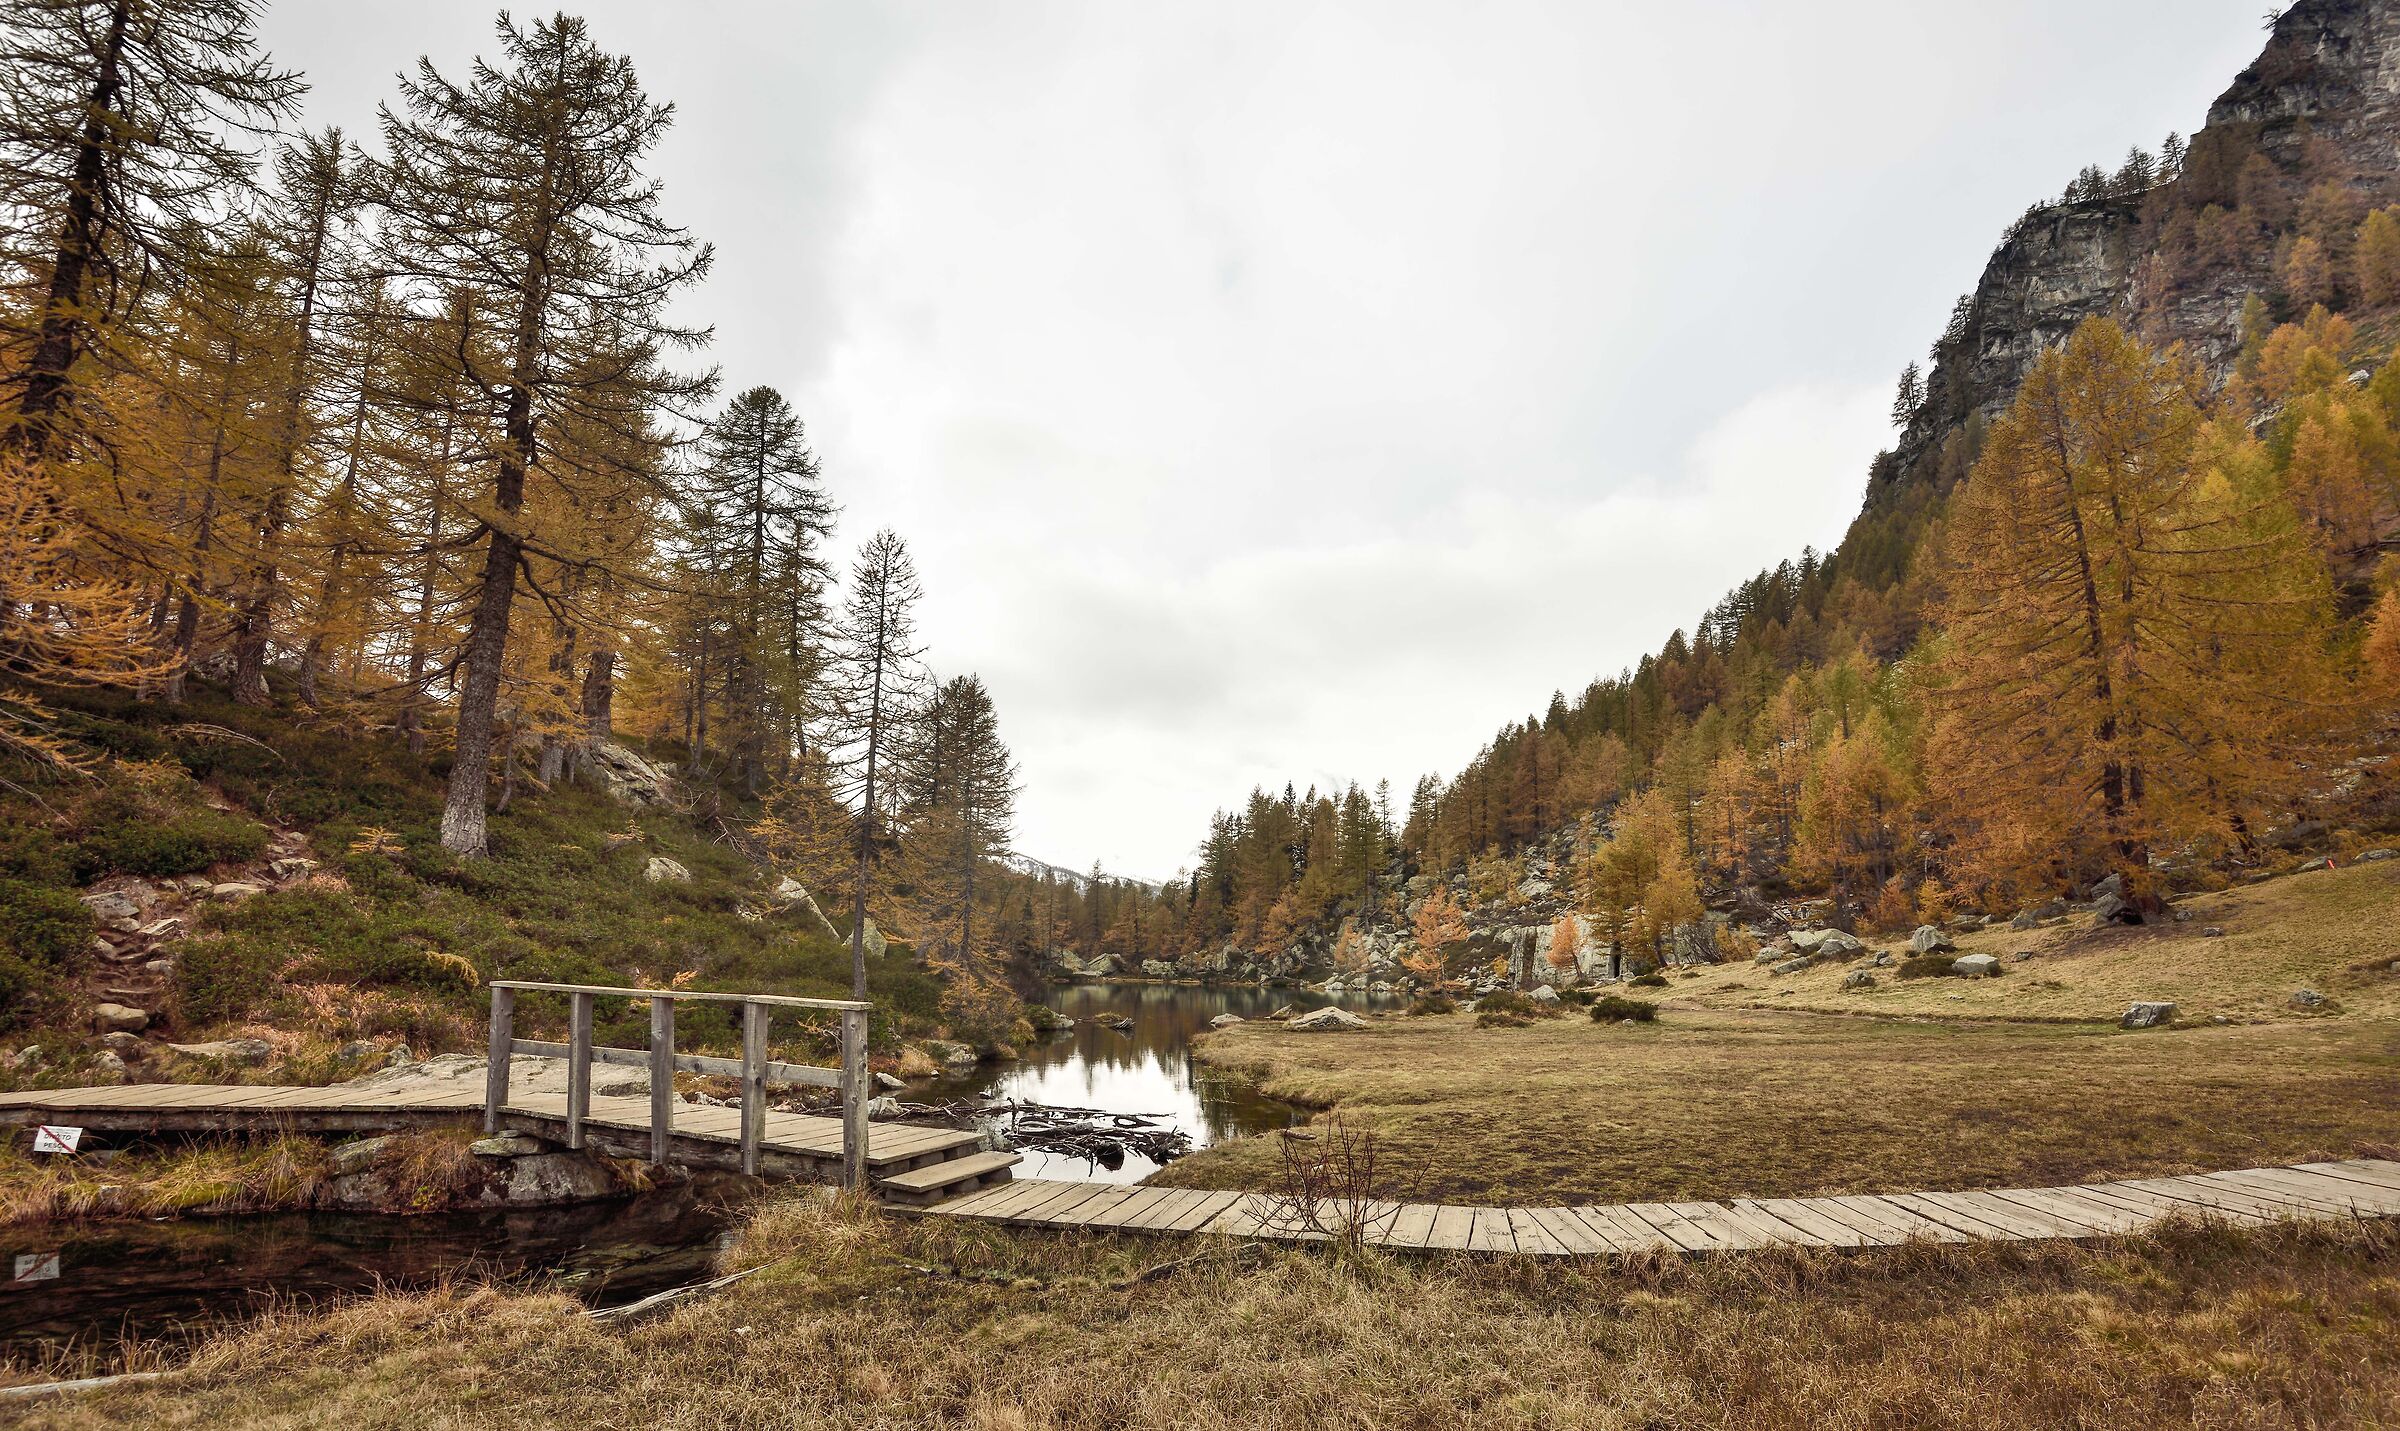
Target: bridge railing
753, 1068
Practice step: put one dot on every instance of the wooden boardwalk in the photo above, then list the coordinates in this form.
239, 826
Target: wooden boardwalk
945, 1172
918, 1160
2308, 1191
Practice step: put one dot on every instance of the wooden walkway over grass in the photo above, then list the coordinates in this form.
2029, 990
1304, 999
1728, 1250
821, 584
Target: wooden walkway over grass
2308, 1191
942, 1172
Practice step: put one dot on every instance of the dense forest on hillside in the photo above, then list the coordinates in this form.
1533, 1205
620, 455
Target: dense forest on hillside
2132, 616
399, 440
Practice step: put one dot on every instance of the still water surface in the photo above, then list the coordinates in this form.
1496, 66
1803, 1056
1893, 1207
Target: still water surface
1147, 1069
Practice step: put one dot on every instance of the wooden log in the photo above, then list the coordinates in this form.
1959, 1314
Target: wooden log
754, 1083
495, 1073
579, 1066
662, 1077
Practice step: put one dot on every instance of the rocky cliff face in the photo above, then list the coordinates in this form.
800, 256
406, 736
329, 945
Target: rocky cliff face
2329, 76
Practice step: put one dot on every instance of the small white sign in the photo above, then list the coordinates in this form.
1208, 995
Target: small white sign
48, 1138
37, 1266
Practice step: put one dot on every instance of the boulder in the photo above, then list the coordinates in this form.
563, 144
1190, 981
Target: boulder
2147, 1014
128, 1045
2312, 866
356, 1049
2111, 909
873, 941
107, 1066
2307, 999
249, 1052
237, 889
1226, 1021
2212, 932
1884, 959
2111, 887
1122, 1023
888, 1083
1837, 945
290, 867
162, 929
917, 1063
1764, 956
2368, 857
1544, 994
951, 1054
1328, 1020
1930, 940
27, 1058
628, 777
1975, 966
1793, 965
111, 906
662, 870
119, 1018
359, 1154
507, 1145
1101, 967
1158, 969
1807, 940
1858, 979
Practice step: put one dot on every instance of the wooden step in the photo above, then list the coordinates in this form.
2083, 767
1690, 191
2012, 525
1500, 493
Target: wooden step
948, 1178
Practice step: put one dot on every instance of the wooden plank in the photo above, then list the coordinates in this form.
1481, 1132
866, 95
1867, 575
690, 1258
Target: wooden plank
1634, 1234
2299, 1196
1491, 1232
1089, 1211
1059, 1208
2101, 1219
1015, 1194
780, 1001
1768, 1230
1532, 1238
495, 1067
1880, 1223
1976, 1227
2357, 1170
2214, 1195
2022, 1220
1451, 1228
1677, 1228
1410, 1228
1138, 1202
1734, 1232
2158, 1208
1571, 1232
975, 1203
1195, 1216
1245, 1216
2338, 1187
1170, 1203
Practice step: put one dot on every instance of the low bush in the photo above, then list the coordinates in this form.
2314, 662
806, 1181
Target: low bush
222, 978
1927, 966
41, 930
1514, 1004
1649, 981
1613, 1009
1434, 1003
182, 844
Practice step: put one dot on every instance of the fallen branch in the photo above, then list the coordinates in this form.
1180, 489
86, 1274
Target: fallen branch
658, 1302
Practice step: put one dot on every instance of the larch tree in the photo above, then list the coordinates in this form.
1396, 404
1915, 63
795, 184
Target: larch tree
762, 519
878, 685
123, 127
962, 793
522, 187
2130, 622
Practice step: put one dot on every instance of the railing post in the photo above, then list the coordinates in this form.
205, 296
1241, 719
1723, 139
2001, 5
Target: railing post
495, 1073
579, 1066
854, 1099
662, 1077
754, 1083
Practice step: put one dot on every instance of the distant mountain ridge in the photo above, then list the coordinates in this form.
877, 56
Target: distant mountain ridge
1081, 882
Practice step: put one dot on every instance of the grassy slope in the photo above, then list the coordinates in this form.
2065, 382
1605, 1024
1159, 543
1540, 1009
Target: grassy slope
357, 950
2335, 931
2194, 1327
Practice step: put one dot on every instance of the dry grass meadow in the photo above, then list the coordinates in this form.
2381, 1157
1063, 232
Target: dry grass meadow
874, 1321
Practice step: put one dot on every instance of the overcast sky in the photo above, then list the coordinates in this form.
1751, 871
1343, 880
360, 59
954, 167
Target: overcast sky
1299, 392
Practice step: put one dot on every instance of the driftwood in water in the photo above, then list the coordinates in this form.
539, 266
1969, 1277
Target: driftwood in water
1092, 1134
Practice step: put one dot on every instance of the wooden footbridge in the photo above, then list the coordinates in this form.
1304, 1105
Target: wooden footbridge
944, 1172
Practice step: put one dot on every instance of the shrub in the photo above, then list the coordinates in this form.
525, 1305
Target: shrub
1927, 966
222, 978
1433, 1003
41, 929
1510, 1003
180, 845
42, 925
29, 852
1612, 1009
1650, 981
1500, 1019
